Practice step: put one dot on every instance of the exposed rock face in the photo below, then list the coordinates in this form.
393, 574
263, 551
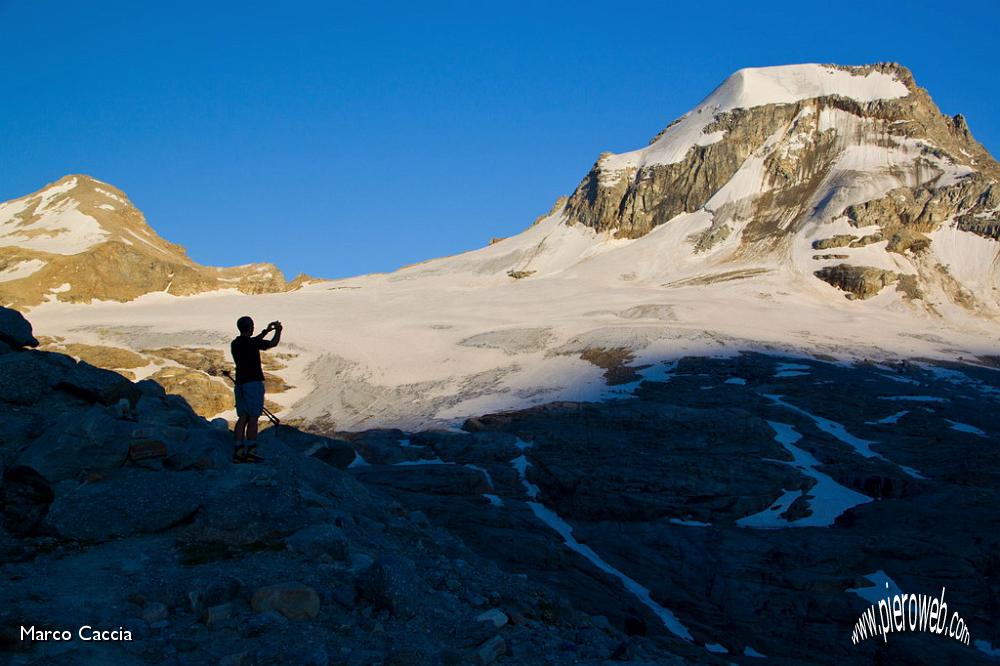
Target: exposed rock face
771, 164
840, 240
15, 330
634, 200
858, 281
205, 394
79, 239
103, 356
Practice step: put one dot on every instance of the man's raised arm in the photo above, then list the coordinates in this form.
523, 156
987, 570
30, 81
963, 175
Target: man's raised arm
273, 342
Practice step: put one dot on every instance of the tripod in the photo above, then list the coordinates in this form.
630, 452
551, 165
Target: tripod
270, 417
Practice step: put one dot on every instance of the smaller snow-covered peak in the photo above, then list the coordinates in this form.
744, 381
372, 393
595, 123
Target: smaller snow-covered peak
84, 240
74, 215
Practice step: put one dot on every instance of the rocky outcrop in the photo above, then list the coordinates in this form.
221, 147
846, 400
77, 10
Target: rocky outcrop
102, 356
615, 363
840, 240
205, 394
15, 331
79, 239
858, 281
632, 201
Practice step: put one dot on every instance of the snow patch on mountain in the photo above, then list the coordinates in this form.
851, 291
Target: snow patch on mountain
20, 270
49, 223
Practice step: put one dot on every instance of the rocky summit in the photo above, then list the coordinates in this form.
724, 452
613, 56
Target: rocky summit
78, 240
783, 160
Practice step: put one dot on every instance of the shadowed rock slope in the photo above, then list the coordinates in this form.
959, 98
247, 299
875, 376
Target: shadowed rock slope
121, 510
755, 497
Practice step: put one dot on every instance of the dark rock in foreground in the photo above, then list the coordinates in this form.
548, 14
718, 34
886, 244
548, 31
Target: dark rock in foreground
659, 487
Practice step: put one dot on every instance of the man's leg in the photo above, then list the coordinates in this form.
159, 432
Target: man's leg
252, 440
255, 398
241, 426
239, 435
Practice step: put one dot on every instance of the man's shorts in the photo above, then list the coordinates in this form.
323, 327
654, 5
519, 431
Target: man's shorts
250, 399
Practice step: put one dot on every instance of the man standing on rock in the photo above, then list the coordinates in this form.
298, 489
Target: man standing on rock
250, 385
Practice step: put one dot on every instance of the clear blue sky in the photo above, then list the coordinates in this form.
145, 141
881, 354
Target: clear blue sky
342, 138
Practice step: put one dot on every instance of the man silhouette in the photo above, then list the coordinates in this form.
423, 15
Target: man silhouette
249, 382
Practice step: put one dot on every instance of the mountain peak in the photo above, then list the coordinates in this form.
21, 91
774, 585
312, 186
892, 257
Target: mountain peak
780, 165
786, 84
79, 239
765, 87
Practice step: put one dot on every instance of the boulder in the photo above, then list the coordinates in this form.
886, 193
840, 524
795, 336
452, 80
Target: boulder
154, 611
293, 600
149, 388
320, 540
140, 502
493, 616
18, 428
242, 512
15, 330
858, 281
25, 497
91, 441
205, 449
98, 385
146, 449
391, 584
24, 379
335, 452
262, 623
220, 591
491, 650
218, 614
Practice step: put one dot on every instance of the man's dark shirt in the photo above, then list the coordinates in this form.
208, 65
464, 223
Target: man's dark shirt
246, 355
